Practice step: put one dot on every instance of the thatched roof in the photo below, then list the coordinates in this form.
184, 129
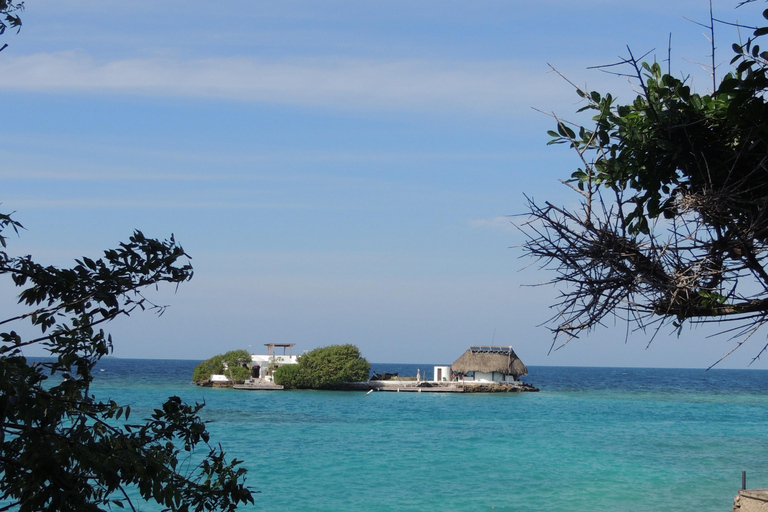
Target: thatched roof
488, 360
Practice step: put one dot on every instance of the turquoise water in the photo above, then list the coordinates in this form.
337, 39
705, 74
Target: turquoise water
611, 438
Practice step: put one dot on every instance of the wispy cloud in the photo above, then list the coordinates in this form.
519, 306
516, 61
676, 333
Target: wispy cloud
503, 223
27, 174
501, 87
89, 203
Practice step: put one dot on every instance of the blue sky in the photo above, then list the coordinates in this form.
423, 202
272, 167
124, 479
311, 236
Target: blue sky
340, 171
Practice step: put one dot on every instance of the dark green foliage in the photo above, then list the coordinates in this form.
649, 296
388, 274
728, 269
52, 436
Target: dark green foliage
230, 364
9, 16
325, 368
674, 190
238, 374
671, 143
236, 357
288, 376
60, 448
203, 371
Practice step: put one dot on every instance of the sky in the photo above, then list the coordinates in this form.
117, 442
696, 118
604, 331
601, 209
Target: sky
339, 171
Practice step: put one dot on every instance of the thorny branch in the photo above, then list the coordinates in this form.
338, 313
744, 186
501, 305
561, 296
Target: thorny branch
697, 249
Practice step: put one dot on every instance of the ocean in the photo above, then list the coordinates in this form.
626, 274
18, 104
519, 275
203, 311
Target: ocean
618, 439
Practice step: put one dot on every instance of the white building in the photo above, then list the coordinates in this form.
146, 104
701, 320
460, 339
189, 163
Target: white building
263, 365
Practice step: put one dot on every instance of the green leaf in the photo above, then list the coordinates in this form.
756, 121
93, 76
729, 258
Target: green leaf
565, 131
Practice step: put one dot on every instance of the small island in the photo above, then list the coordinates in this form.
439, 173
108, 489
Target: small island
481, 369
330, 367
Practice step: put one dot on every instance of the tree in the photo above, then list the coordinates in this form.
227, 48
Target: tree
60, 447
230, 363
325, 368
673, 224
9, 16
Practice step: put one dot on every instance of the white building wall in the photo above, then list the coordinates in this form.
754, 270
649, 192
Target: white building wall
442, 374
493, 377
263, 360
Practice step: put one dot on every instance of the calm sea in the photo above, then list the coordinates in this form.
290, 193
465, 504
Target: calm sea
592, 439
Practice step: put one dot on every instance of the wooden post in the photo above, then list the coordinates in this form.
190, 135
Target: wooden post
743, 480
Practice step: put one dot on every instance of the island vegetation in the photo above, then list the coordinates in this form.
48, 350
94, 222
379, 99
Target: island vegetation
325, 368
232, 364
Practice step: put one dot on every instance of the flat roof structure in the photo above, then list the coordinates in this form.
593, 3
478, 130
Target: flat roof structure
271, 348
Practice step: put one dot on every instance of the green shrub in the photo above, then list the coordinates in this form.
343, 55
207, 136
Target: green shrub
325, 368
238, 374
236, 357
232, 360
204, 370
288, 376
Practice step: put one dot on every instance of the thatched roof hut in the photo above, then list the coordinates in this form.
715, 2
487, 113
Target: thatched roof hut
486, 359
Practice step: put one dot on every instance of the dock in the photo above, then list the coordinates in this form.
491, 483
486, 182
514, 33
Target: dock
258, 385
411, 386
407, 386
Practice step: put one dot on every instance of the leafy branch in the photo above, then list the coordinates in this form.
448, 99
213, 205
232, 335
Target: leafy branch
673, 223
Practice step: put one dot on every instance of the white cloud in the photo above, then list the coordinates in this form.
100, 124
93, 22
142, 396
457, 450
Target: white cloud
91, 203
502, 87
503, 223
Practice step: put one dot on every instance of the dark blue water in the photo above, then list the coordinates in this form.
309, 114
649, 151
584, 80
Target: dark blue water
157, 372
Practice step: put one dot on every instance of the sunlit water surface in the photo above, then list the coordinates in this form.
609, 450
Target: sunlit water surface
593, 438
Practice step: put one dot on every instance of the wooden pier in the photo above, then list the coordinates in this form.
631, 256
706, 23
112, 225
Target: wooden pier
411, 386
258, 385
407, 386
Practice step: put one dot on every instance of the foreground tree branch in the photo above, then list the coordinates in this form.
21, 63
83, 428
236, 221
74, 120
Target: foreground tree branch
673, 223
61, 448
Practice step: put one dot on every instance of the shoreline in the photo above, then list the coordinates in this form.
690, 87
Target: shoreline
398, 386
